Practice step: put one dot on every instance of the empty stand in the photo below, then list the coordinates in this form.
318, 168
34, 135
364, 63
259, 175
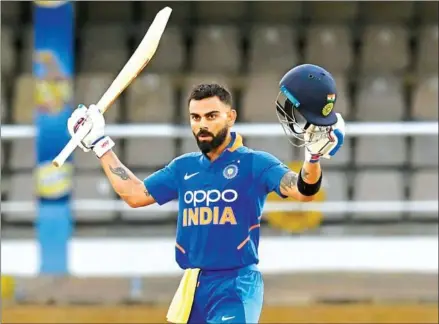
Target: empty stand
428, 11
343, 104
424, 151
10, 11
380, 150
334, 187
7, 50
387, 12
93, 186
216, 49
424, 186
219, 11
4, 107
332, 12
151, 99
378, 186
21, 189
171, 53
385, 48
427, 49
425, 99
259, 98
149, 152
27, 39
90, 87
282, 12
23, 154
380, 98
273, 49
117, 11
330, 47
103, 48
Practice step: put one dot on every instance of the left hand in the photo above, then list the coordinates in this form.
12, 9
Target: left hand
328, 146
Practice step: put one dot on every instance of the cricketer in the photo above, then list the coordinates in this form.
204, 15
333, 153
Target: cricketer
221, 190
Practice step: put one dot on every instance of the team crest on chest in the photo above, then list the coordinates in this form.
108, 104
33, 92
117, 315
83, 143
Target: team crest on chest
230, 171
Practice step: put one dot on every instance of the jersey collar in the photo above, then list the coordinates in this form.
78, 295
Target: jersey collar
234, 144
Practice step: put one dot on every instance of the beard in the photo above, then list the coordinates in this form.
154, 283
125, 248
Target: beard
216, 141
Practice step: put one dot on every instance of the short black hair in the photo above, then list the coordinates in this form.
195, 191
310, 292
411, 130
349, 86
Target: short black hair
209, 90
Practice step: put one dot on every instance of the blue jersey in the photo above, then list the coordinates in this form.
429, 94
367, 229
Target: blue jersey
220, 204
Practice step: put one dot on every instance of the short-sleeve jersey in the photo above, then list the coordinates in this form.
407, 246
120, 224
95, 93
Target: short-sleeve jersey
220, 204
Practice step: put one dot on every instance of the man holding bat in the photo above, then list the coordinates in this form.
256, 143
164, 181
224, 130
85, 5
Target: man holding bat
222, 189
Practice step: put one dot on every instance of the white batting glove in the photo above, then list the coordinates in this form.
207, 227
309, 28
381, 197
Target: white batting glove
95, 139
328, 146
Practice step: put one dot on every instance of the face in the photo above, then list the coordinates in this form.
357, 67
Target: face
210, 120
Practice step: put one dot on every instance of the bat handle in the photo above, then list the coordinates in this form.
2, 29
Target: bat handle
59, 160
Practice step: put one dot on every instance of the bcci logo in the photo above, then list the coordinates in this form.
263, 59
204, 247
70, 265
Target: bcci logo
230, 171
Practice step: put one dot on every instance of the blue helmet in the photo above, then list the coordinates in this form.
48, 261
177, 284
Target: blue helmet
306, 102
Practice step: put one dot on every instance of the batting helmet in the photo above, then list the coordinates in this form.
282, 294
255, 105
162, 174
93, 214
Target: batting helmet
306, 102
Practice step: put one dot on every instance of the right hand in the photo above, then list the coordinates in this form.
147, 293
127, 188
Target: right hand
95, 139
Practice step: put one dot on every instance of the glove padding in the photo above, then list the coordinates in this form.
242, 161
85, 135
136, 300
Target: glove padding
327, 147
95, 139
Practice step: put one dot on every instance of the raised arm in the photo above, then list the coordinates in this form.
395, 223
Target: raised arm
130, 188
302, 186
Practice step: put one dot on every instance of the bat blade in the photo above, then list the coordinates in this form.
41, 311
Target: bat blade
137, 62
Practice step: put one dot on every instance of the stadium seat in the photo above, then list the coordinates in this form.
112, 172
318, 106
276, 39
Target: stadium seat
332, 12
424, 186
259, 98
171, 53
21, 189
190, 81
425, 99
278, 146
90, 87
103, 48
151, 99
215, 49
381, 186
219, 12
380, 150
335, 188
392, 42
428, 11
272, 49
10, 11
380, 98
188, 145
4, 106
149, 152
23, 154
181, 11
26, 59
343, 156
93, 186
329, 46
7, 50
427, 50
117, 12
387, 12
283, 12
88, 161
424, 151
343, 104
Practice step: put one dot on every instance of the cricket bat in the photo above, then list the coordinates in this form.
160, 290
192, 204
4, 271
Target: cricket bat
140, 58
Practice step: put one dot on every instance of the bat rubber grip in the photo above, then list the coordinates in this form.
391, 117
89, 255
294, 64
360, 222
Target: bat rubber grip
71, 145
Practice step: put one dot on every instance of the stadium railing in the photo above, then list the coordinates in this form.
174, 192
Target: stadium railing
353, 129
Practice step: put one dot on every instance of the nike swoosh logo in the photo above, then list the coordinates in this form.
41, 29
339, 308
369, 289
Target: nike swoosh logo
227, 318
187, 177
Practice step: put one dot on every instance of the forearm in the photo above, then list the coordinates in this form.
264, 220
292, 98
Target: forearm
130, 188
303, 186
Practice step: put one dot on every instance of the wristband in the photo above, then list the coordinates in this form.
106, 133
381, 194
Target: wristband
102, 145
